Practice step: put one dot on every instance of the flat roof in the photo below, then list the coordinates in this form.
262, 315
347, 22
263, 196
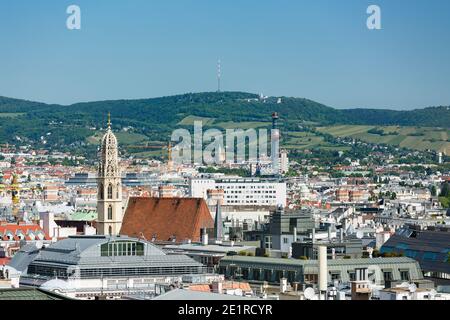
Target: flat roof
331, 262
209, 247
183, 294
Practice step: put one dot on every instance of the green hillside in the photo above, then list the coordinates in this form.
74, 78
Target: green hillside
419, 138
150, 122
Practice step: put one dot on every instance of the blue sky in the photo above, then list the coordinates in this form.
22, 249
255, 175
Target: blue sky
318, 49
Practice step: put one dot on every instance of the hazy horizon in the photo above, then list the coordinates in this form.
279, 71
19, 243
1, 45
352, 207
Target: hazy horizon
200, 92
319, 50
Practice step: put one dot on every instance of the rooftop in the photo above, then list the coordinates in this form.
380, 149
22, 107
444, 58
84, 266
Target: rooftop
166, 218
29, 294
182, 294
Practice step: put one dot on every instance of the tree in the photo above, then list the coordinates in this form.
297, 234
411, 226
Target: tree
433, 191
445, 191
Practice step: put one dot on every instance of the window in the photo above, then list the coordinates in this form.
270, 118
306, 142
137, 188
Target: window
404, 275
122, 248
117, 191
335, 276
352, 276
387, 275
268, 242
110, 213
110, 191
110, 230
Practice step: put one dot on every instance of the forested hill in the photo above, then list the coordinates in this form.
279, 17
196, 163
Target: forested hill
157, 117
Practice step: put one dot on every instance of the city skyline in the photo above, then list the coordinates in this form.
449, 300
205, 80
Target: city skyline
321, 51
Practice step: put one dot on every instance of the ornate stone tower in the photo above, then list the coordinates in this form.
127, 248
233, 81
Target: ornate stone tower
109, 198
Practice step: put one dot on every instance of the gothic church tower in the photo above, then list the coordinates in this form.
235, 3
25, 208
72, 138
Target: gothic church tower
109, 198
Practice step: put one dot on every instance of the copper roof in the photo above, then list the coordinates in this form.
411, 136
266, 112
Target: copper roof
166, 218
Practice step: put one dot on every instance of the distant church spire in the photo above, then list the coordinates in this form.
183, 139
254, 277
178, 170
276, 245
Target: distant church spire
109, 184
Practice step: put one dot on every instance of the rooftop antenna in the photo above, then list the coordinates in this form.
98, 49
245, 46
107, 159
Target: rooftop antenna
219, 73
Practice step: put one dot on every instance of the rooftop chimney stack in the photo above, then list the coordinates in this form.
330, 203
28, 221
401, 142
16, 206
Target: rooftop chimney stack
323, 272
204, 237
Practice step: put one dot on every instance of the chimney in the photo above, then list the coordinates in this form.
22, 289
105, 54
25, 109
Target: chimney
283, 285
204, 237
341, 234
313, 235
323, 271
218, 224
295, 234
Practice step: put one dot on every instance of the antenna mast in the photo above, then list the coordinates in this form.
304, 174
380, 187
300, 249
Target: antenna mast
218, 75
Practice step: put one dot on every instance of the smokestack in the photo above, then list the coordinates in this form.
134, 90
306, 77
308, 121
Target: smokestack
274, 120
218, 224
275, 144
323, 271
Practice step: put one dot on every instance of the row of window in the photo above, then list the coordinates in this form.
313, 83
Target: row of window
50, 271
249, 201
268, 275
251, 197
122, 248
255, 192
414, 254
249, 187
141, 271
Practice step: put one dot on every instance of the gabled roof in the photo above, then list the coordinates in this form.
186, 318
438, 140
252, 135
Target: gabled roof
166, 218
24, 229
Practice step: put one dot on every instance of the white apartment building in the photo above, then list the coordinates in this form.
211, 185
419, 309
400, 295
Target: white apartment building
242, 191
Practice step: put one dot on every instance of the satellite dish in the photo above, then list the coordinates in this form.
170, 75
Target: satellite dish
309, 293
412, 288
360, 234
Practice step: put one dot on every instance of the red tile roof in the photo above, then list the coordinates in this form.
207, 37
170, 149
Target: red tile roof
244, 286
166, 217
200, 287
24, 228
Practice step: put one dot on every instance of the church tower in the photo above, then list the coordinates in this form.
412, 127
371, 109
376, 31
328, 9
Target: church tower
109, 198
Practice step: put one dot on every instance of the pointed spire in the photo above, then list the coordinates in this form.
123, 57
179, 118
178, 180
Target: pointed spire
109, 120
